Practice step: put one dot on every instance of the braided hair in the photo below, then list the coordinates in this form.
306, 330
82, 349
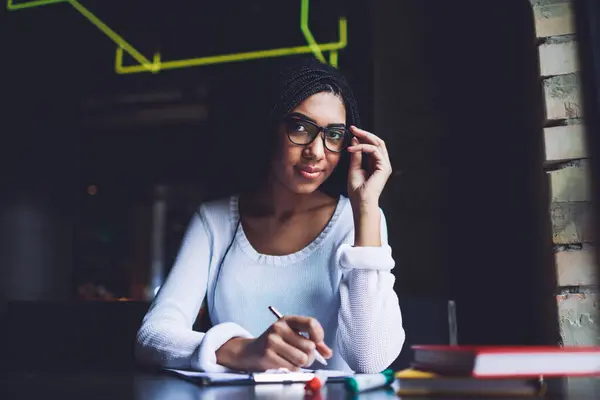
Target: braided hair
296, 82
283, 88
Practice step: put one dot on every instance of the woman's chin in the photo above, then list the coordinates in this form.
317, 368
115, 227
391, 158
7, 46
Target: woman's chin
306, 188
299, 185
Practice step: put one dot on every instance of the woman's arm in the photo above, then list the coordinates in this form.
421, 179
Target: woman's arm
370, 333
166, 337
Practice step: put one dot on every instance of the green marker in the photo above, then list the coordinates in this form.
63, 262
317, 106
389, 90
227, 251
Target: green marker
363, 382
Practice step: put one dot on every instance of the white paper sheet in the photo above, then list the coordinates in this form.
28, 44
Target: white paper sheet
269, 376
213, 377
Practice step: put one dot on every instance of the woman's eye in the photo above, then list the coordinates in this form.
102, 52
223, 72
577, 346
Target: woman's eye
298, 127
335, 135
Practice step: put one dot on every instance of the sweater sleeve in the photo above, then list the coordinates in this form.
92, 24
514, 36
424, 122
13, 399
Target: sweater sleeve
166, 338
370, 333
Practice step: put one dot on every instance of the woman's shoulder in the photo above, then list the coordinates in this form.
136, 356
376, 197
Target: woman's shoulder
218, 210
343, 219
345, 206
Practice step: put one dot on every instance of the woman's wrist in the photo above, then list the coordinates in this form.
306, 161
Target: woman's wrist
364, 206
230, 354
367, 224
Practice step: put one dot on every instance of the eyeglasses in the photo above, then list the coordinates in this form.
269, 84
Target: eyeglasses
303, 132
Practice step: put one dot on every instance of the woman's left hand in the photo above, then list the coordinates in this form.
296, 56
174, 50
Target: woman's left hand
365, 186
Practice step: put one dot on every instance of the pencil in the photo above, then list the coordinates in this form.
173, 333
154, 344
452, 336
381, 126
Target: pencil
318, 356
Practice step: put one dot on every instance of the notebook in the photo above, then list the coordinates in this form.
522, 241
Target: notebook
508, 361
270, 376
412, 382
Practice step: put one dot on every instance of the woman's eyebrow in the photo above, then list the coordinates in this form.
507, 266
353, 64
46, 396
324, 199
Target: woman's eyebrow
302, 116
307, 118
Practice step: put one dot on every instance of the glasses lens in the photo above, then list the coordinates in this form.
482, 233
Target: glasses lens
300, 132
337, 139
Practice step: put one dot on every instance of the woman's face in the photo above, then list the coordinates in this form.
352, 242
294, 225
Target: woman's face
303, 168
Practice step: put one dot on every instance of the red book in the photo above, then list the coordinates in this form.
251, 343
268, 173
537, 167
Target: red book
508, 361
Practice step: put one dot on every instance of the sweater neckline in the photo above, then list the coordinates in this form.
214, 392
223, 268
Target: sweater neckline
287, 258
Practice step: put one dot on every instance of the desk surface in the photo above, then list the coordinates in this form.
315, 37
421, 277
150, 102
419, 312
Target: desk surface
147, 386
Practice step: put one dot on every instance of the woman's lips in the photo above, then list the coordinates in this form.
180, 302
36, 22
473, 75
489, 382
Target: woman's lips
308, 172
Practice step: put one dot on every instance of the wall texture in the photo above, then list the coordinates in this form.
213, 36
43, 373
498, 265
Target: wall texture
568, 169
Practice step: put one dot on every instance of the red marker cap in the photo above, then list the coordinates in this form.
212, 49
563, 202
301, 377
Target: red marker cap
314, 384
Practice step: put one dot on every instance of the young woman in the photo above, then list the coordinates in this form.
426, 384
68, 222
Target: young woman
294, 242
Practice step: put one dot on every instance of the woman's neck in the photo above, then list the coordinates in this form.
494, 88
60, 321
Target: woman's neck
275, 200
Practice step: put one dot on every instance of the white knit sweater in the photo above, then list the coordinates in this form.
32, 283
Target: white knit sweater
349, 290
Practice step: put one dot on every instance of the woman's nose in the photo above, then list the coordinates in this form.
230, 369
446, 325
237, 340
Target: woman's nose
316, 150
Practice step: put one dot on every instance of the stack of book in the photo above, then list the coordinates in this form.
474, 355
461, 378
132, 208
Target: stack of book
493, 371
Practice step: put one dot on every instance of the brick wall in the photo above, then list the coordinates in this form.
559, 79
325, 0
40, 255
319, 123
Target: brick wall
568, 169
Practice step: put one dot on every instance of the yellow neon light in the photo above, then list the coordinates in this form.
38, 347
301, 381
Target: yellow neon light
333, 59
157, 64
148, 65
30, 4
304, 6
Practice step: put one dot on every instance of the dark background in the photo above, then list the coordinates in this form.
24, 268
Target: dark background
59, 62
61, 88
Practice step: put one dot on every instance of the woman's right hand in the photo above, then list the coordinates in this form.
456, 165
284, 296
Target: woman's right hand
280, 346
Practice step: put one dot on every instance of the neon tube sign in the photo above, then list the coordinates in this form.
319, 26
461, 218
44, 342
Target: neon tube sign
157, 64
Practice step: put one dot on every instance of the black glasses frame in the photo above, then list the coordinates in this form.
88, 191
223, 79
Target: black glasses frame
319, 130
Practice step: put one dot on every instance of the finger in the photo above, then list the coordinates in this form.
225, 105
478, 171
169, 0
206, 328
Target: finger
365, 148
293, 338
275, 361
381, 160
298, 341
307, 324
288, 352
375, 151
367, 136
355, 156
324, 350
